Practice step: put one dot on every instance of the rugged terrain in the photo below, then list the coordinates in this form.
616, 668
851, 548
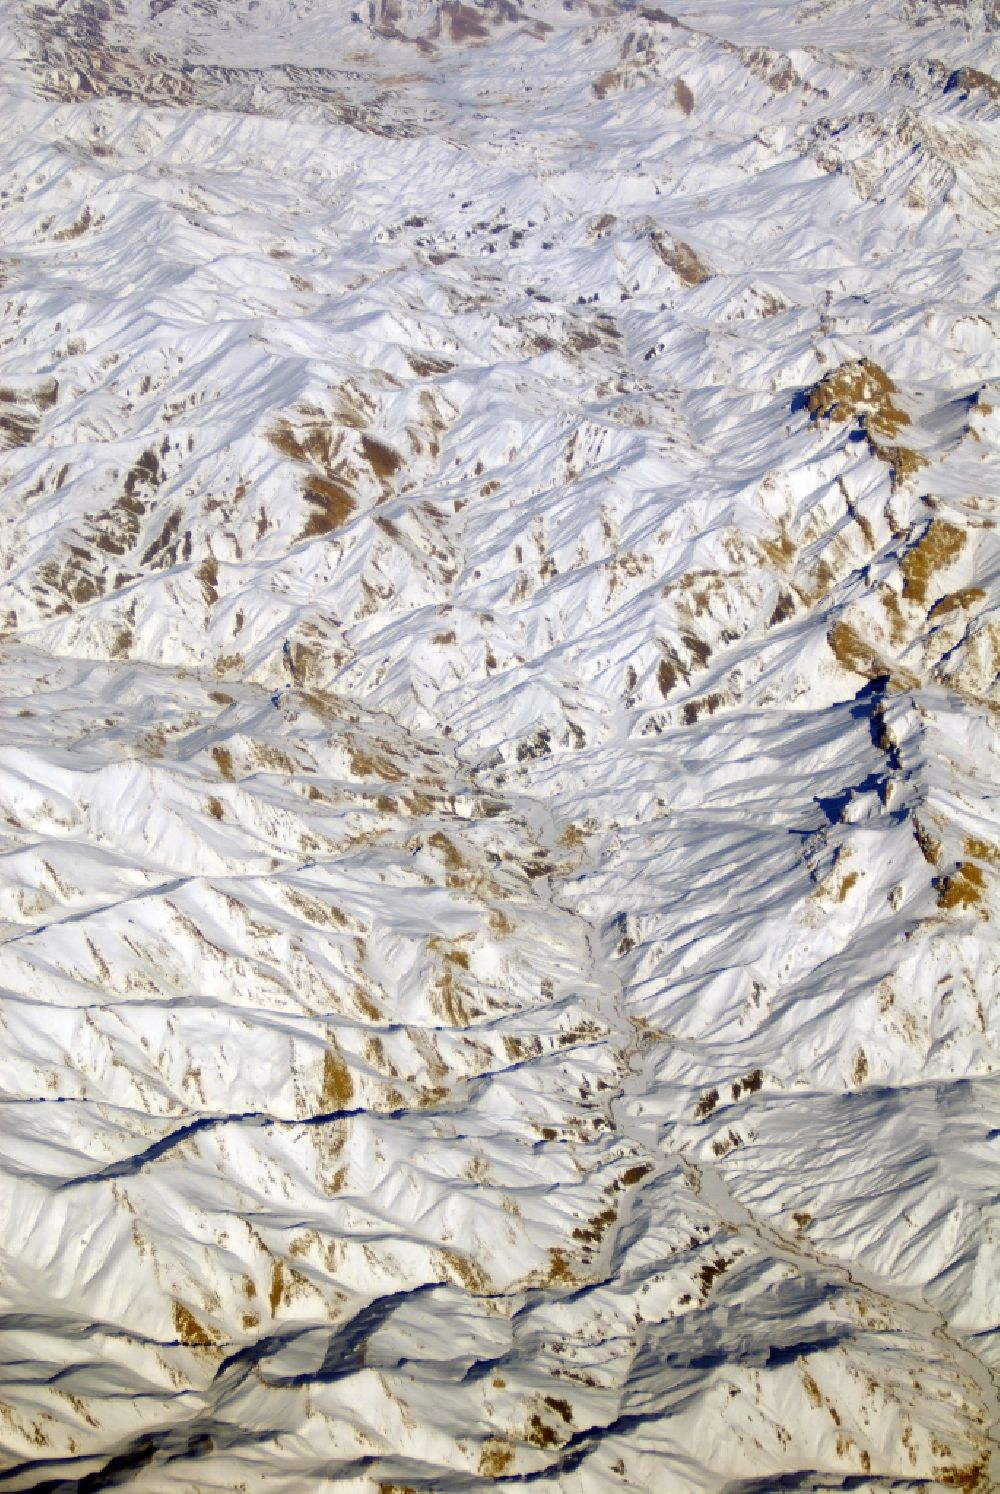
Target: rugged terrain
499, 583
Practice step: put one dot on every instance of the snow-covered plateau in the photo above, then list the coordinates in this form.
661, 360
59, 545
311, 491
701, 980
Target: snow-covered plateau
499, 846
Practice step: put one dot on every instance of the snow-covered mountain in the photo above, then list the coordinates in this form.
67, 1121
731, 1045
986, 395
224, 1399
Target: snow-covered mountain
499, 582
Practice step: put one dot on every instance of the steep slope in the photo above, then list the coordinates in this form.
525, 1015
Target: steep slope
498, 592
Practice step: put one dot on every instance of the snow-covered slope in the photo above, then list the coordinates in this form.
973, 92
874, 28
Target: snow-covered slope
499, 592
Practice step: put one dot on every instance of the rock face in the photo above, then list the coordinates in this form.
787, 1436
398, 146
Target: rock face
498, 620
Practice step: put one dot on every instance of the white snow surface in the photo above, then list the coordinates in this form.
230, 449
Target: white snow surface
499, 853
